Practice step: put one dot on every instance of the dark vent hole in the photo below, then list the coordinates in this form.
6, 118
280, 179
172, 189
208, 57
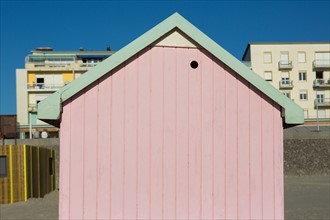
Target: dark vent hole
194, 64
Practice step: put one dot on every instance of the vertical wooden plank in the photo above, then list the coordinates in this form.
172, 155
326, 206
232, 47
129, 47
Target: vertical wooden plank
11, 173
255, 154
267, 158
231, 144
103, 193
65, 133
194, 137
117, 145
25, 172
77, 157
207, 135
130, 178
243, 135
143, 184
278, 163
31, 173
90, 145
169, 132
156, 134
182, 171
219, 140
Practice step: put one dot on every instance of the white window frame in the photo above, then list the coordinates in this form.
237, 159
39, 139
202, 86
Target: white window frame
268, 75
267, 59
300, 74
304, 57
303, 95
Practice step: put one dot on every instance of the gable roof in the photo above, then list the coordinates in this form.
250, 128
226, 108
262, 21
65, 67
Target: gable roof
49, 110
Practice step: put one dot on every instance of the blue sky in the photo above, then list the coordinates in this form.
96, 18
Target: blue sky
69, 25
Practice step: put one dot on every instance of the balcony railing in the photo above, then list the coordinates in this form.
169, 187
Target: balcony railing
44, 86
321, 83
285, 65
89, 64
322, 102
286, 84
321, 64
33, 108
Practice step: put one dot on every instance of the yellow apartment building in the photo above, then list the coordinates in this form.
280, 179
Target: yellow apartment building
45, 72
300, 70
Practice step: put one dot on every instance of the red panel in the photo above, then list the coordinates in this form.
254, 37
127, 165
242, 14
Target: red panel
219, 140
156, 135
90, 153
182, 109
143, 187
104, 149
65, 155
117, 144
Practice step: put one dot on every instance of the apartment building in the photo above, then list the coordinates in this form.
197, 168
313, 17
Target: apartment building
301, 71
45, 72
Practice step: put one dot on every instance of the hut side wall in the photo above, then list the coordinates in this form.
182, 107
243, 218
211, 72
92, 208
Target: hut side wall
158, 139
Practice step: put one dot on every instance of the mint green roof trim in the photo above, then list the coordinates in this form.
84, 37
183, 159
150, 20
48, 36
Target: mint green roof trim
49, 109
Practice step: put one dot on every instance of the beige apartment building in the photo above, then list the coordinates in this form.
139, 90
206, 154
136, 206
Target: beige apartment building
301, 71
45, 72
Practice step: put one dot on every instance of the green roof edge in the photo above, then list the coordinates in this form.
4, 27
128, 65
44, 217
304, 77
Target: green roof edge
50, 108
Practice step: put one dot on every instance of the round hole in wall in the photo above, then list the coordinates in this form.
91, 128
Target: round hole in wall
194, 64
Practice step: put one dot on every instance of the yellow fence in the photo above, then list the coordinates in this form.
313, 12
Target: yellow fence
26, 172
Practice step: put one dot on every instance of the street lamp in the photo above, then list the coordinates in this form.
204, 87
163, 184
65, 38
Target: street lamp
316, 85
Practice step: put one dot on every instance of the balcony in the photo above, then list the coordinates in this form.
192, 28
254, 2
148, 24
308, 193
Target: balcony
321, 64
33, 108
286, 84
321, 83
43, 86
322, 102
285, 65
89, 64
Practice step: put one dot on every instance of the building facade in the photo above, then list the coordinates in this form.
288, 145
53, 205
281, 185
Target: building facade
45, 72
301, 71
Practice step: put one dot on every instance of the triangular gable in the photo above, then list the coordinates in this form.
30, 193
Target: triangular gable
49, 110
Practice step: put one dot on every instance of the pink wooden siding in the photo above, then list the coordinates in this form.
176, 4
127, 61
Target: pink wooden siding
156, 139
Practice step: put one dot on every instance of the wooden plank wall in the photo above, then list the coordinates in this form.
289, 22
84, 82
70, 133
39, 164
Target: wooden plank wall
157, 139
28, 171
5, 182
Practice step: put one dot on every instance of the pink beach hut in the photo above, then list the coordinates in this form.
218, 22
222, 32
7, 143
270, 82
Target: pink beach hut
171, 127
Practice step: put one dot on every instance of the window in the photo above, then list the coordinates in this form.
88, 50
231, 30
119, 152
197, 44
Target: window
285, 57
268, 75
303, 95
302, 75
3, 166
287, 94
319, 75
301, 57
267, 57
320, 97
285, 78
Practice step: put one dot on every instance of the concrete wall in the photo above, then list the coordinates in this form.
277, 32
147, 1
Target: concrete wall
21, 97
